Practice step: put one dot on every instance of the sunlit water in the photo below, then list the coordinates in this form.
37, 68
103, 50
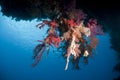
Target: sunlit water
17, 41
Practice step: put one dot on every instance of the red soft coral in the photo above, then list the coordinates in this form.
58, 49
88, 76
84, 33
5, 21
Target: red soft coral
56, 41
53, 24
71, 23
49, 23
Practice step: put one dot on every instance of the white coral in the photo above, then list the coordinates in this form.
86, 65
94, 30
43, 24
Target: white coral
86, 53
84, 29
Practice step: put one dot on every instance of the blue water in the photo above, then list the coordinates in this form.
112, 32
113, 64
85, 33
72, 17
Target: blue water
17, 41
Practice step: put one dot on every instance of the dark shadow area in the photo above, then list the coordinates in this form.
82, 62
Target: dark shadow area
30, 9
118, 78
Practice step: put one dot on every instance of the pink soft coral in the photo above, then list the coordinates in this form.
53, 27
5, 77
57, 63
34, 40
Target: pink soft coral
94, 27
